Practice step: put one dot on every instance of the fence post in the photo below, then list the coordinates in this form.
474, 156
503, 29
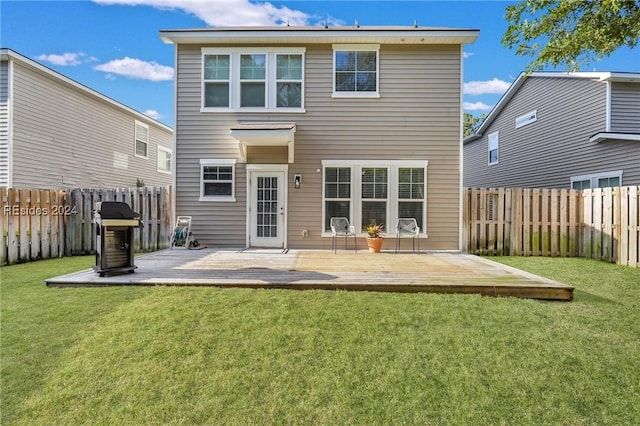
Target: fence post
4, 198
574, 222
516, 222
633, 224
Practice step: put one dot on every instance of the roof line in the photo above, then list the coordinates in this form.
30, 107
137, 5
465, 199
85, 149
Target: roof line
12, 54
319, 34
506, 97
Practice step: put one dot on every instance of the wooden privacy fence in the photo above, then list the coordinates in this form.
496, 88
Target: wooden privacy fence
45, 223
601, 223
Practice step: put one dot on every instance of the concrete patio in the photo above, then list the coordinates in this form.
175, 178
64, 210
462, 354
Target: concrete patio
435, 272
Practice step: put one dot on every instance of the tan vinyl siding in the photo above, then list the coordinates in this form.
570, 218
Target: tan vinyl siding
64, 137
548, 152
417, 117
625, 107
4, 123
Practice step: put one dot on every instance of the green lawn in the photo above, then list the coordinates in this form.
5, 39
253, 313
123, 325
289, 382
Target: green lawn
168, 355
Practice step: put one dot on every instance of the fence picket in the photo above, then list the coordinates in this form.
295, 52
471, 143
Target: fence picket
633, 224
4, 197
598, 223
43, 223
35, 223
573, 222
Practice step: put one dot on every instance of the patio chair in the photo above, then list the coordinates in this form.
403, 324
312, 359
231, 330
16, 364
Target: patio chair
407, 227
340, 226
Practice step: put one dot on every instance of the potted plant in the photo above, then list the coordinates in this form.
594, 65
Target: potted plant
374, 239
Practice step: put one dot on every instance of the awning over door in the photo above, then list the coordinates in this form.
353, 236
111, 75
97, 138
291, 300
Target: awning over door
264, 134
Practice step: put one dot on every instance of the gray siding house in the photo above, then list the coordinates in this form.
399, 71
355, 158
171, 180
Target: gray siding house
57, 133
278, 129
559, 130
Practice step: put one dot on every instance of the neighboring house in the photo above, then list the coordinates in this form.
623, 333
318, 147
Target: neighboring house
57, 133
278, 129
559, 130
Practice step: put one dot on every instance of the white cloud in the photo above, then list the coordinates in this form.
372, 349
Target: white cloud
138, 69
153, 114
494, 86
466, 55
476, 106
66, 59
227, 13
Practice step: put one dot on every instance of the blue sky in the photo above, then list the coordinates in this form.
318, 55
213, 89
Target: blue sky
113, 47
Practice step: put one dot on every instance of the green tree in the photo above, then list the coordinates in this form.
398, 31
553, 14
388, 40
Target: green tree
471, 123
571, 32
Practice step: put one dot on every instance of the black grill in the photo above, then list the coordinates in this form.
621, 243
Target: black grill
114, 237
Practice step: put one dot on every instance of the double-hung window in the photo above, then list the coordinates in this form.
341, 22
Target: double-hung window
493, 142
253, 79
288, 81
375, 192
337, 194
217, 180
253, 74
411, 193
375, 184
216, 80
141, 140
164, 159
355, 70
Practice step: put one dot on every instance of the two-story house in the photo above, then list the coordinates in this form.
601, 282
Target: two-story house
58, 133
278, 129
559, 130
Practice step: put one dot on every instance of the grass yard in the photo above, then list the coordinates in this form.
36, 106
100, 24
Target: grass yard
163, 355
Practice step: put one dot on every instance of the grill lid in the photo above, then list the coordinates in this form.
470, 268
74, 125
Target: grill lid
114, 210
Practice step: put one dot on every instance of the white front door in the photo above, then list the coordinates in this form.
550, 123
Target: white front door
267, 208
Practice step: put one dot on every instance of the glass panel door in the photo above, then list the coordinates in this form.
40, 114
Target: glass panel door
267, 209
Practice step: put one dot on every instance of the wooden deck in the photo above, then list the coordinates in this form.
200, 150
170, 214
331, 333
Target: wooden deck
432, 272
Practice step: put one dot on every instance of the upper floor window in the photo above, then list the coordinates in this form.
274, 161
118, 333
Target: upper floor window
493, 143
289, 81
528, 118
216, 81
254, 79
141, 140
164, 159
355, 70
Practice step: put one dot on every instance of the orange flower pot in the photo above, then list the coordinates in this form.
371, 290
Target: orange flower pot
375, 244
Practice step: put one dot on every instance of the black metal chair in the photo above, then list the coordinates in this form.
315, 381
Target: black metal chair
407, 227
340, 226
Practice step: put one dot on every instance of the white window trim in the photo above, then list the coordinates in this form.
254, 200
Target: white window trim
528, 118
234, 78
392, 194
497, 148
358, 48
593, 178
135, 139
218, 162
166, 150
